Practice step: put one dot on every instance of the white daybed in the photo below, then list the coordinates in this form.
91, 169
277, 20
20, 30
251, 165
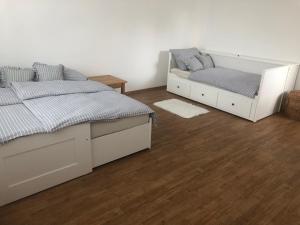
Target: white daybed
34, 163
277, 79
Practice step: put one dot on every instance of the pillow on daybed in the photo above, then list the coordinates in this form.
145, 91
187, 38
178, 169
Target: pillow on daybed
206, 60
180, 54
11, 74
70, 74
46, 72
192, 63
181, 73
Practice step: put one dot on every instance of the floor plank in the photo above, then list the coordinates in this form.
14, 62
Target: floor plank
215, 169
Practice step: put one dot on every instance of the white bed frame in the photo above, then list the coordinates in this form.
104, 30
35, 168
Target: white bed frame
277, 79
31, 164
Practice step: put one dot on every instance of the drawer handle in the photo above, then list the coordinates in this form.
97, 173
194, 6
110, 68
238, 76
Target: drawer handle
233, 104
178, 86
203, 95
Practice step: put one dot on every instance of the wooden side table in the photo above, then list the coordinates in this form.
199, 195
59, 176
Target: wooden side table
111, 81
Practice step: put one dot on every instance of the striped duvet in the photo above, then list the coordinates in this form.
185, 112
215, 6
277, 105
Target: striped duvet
44, 107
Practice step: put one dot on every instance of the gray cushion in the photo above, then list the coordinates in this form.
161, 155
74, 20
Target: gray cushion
236, 81
193, 63
206, 60
11, 74
46, 72
70, 74
180, 54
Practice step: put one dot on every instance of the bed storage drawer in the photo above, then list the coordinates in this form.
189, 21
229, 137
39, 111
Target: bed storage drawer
111, 147
235, 104
204, 94
179, 86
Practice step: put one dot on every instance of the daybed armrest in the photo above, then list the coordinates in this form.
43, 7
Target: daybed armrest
272, 88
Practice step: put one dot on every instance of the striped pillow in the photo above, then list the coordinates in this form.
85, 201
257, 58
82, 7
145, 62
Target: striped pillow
206, 60
15, 74
179, 54
46, 72
70, 74
193, 63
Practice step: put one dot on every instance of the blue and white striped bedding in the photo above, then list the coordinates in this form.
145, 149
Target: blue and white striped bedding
52, 105
56, 112
8, 97
18, 121
15, 74
30, 90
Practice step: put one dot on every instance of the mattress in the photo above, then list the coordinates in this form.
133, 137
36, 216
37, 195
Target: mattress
181, 73
45, 107
246, 84
99, 129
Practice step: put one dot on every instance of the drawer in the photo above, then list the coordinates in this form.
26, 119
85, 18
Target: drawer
235, 104
179, 87
204, 94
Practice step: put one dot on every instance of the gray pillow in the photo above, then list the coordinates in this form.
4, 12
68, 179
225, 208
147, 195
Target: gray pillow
206, 60
180, 54
193, 63
70, 74
46, 72
11, 74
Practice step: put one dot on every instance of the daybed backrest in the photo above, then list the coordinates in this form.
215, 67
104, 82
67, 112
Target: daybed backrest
250, 65
257, 66
242, 63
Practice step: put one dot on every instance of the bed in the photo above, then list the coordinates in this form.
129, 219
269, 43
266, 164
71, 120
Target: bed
247, 87
52, 132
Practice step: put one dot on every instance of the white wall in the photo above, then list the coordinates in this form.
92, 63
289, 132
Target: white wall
123, 37
261, 28
130, 38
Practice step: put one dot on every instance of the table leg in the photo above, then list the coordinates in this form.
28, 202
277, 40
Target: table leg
123, 88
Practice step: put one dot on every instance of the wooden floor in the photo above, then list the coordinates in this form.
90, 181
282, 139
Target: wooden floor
216, 169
